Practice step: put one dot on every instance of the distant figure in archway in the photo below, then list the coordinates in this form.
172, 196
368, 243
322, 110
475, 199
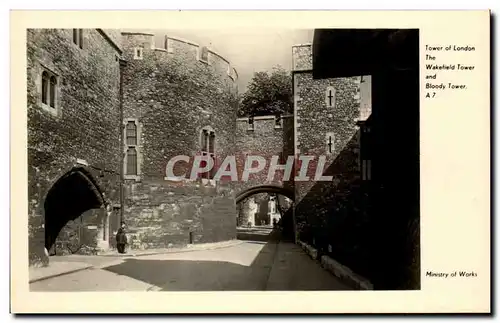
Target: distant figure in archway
121, 239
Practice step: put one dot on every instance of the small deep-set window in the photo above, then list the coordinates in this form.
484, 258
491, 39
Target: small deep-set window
278, 121
78, 37
250, 123
138, 53
208, 149
330, 143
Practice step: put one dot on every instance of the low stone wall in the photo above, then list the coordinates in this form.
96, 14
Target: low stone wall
340, 271
162, 215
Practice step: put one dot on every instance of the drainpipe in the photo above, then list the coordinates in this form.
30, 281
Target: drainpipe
123, 64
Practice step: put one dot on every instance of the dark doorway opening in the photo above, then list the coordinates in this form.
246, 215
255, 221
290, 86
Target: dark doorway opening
73, 193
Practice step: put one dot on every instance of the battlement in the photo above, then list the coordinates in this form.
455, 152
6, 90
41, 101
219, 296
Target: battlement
302, 57
177, 46
264, 123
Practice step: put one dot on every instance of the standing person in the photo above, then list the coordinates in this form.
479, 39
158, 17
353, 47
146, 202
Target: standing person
121, 239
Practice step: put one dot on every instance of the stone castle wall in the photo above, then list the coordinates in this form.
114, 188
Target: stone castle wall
331, 215
172, 94
265, 139
84, 123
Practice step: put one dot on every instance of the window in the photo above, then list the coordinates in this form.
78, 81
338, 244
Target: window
366, 172
53, 84
49, 90
131, 133
45, 87
330, 97
138, 51
250, 123
131, 162
330, 143
208, 149
365, 152
78, 37
281, 158
204, 54
278, 122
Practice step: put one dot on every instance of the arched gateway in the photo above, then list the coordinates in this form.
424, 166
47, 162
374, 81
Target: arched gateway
71, 195
273, 189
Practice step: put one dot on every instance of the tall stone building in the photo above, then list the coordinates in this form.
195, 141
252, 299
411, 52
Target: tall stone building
108, 110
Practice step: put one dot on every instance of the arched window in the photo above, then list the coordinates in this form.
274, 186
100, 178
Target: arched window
131, 161
45, 87
49, 91
53, 84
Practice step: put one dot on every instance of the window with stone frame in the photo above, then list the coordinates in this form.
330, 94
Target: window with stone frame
49, 90
131, 144
208, 149
138, 52
78, 37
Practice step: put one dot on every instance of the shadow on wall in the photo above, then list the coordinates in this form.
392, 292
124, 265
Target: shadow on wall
341, 220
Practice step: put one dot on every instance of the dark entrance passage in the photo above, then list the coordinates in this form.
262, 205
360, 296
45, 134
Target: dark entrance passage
286, 222
73, 194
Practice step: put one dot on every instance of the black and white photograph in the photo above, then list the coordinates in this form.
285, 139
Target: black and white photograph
245, 159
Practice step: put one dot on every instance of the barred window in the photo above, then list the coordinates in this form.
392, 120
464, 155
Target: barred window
131, 133
131, 144
131, 161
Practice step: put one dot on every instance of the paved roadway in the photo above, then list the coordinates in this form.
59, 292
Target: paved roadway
251, 265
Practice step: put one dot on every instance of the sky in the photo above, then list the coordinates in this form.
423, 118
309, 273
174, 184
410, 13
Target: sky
248, 50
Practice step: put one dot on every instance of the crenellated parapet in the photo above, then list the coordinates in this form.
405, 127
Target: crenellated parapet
177, 48
302, 57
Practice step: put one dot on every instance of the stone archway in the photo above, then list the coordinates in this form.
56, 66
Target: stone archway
265, 189
287, 220
69, 197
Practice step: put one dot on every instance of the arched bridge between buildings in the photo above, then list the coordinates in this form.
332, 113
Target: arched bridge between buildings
273, 189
